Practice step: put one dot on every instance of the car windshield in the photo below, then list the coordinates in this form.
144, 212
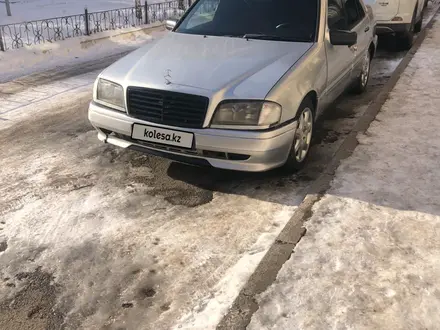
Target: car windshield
289, 20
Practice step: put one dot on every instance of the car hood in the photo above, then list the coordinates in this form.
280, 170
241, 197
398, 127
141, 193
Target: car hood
243, 68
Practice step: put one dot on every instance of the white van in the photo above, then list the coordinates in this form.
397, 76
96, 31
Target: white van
401, 18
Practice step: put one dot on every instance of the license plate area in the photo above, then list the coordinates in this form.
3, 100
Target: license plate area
162, 136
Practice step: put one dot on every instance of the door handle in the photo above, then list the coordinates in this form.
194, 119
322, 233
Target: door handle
367, 29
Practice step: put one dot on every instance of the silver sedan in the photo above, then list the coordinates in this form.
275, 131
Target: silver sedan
236, 84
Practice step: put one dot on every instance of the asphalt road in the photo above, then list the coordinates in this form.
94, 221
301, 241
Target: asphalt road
99, 237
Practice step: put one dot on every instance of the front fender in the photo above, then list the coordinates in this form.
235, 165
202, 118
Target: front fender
307, 75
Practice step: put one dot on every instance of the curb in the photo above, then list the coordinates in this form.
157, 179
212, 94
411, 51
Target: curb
245, 305
124, 34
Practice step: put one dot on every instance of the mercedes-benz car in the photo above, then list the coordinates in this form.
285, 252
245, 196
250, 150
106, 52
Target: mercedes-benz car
236, 84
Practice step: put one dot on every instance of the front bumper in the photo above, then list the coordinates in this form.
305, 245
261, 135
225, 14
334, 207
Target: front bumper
392, 28
227, 149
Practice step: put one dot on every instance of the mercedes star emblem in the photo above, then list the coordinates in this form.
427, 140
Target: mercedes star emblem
167, 76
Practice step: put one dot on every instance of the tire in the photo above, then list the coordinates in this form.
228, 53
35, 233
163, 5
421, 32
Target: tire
302, 140
405, 40
418, 26
360, 84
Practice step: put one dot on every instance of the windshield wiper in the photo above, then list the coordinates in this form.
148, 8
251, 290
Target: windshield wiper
263, 36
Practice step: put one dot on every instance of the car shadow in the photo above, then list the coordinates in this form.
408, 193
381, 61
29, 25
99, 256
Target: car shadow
277, 185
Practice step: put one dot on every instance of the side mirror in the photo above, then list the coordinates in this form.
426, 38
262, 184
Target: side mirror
343, 38
170, 24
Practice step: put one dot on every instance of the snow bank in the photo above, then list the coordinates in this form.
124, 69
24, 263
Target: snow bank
69, 52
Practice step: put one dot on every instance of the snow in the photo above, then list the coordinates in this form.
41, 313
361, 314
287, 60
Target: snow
370, 257
210, 310
72, 51
85, 212
103, 233
27, 10
27, 104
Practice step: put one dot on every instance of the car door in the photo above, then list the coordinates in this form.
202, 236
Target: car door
359, 22
340, 59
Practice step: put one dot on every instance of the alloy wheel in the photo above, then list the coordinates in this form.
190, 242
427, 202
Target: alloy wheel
303, 135
365, 70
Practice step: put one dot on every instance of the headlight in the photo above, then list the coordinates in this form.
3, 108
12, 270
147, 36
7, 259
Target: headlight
110, 93
247, 115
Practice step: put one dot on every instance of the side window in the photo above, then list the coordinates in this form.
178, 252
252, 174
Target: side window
203, 14
336, 16
355, 13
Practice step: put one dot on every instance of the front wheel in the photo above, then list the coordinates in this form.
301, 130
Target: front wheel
303, 137
361, 82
